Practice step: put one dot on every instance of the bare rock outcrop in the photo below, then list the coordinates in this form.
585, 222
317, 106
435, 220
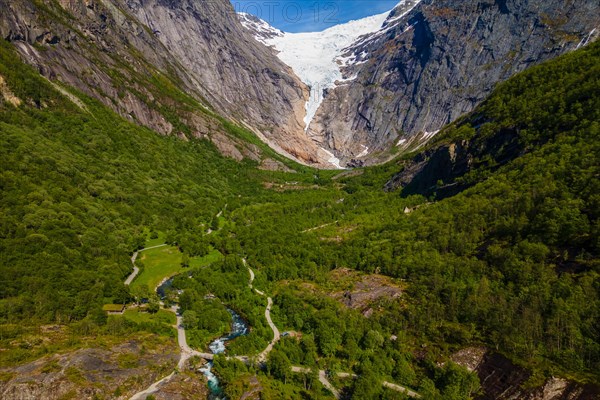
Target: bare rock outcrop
501, 379
115, 373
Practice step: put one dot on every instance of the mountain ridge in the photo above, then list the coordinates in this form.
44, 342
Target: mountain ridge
141, 58
382, 93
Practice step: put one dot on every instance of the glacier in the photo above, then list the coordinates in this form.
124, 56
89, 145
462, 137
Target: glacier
317, 58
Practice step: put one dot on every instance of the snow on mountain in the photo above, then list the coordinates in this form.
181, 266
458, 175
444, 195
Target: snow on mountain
394, 17
318, 58
315, 56
261, 30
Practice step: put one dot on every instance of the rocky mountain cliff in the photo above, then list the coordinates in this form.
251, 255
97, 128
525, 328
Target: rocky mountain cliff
140, 57
180, 67
520, 115
435, 60
501, 379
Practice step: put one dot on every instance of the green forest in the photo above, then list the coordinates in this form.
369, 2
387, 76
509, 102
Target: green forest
510, 263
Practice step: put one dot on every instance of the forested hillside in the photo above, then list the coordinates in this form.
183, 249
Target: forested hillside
79, 185
383, 284
511, 263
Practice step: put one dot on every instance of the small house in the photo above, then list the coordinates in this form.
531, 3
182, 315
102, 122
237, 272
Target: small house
112, 309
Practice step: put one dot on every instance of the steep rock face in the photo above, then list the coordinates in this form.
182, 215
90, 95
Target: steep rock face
523, 115
133, 55
239, 77
437, 62
83, 55
436, 170
503, 380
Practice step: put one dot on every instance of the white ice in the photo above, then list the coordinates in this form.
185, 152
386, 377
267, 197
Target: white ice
316, 56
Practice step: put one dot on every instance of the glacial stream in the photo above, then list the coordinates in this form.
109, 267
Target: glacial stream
238, 328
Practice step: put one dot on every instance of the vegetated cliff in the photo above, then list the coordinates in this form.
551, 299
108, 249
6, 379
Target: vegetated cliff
436, 171
156, 61
502, 380
559, 97
437, 62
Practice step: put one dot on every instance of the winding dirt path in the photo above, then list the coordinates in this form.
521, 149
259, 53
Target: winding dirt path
323, 379
319, 227
402, 389
152, 388
186, 351
262, 356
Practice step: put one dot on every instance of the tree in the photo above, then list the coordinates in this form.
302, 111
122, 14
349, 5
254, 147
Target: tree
153, 305
190, 319
279, 365
310, 350
457, 383
122, 294
185, 260
140, 292
98, 316
367, 386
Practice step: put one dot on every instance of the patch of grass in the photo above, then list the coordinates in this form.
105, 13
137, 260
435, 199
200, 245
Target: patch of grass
211, 257
155, 239
159, 263
71, 394
51, 366
162, 316
10, 331
128, 360
164, 262
6, 376
75, 375
118, 392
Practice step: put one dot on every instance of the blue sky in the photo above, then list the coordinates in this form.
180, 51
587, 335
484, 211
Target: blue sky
311, 15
